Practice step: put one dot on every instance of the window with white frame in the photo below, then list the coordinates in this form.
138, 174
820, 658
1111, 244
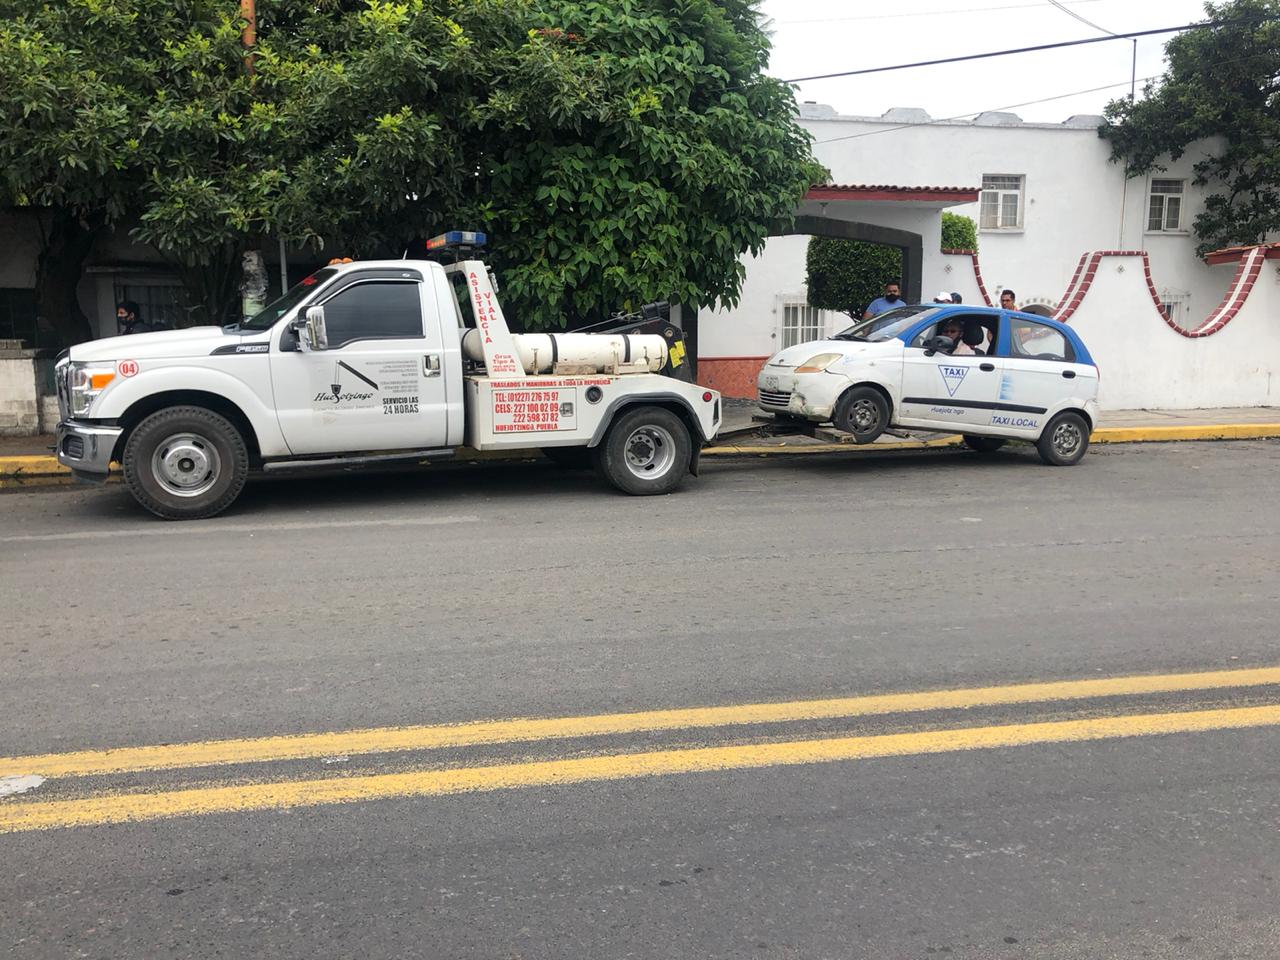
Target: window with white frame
800, 322
1164, 214
1000, 204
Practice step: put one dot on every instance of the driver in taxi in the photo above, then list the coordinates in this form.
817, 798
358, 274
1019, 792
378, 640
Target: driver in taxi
954, 329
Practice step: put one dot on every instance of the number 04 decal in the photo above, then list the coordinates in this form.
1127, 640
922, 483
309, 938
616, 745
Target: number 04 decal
127, 368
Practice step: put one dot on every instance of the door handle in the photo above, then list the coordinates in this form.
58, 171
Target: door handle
1069, 374
431, 365
986, 366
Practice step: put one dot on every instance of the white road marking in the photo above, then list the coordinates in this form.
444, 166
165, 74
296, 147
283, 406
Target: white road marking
12, 786
162, 528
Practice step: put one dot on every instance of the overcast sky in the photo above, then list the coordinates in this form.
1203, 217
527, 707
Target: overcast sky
827, 36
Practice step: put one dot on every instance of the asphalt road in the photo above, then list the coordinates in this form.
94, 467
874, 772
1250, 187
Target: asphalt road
1140, 819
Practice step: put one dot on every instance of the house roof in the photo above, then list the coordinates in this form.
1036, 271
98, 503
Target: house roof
1233, 254
884, 191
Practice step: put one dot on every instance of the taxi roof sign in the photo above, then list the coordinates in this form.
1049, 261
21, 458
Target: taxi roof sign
457, 238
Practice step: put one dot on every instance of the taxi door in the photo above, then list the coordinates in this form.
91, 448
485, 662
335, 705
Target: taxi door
944, 392
1039, 373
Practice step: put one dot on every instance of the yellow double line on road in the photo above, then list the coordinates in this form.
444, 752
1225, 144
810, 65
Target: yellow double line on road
21, 815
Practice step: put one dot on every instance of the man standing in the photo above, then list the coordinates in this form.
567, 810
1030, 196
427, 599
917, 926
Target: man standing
892, 298
1007, 300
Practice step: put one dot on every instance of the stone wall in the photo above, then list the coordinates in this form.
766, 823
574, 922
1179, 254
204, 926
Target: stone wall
19, 395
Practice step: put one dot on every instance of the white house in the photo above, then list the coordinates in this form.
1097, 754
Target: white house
1042, 194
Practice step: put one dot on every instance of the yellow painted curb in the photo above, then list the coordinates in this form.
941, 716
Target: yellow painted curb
1204, 431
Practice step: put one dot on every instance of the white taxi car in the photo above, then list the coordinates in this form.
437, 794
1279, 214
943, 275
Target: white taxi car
1001, 375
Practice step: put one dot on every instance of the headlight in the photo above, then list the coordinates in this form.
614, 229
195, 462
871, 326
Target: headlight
819, 363
85, 381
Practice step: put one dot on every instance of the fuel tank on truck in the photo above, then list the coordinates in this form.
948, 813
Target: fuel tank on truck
543, 352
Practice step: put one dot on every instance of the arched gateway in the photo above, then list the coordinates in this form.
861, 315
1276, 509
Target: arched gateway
732, 344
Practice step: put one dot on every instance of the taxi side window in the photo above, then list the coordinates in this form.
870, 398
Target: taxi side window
1038, 341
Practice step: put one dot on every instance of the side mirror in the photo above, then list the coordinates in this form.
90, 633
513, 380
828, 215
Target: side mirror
314, 335
939, 343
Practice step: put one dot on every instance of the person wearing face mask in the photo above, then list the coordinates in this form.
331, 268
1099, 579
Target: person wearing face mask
892, 298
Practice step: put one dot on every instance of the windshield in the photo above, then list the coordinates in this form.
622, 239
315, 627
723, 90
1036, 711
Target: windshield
273, 311
885, 326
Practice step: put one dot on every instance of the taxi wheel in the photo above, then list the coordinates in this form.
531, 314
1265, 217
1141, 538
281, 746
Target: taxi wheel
983, 444
1065, 440
862, 412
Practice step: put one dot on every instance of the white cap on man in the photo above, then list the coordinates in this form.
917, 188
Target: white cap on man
942, 297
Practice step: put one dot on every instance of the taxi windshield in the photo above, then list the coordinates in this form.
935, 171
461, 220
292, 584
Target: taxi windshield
277, 308
885, 326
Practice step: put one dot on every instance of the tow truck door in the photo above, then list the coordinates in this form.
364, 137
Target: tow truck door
380, 385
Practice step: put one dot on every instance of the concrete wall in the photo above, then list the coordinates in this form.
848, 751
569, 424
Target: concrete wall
19, 397
1147, 363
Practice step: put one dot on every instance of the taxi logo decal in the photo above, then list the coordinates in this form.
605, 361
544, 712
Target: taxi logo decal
953, 377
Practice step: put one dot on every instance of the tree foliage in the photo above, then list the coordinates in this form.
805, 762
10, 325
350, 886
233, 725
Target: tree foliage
615, 151
958, 232
847, 275
1221, 92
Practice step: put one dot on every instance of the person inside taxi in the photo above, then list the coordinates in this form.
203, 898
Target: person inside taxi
954, 329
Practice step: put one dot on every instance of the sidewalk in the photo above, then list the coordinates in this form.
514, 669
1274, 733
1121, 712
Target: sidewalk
28, 461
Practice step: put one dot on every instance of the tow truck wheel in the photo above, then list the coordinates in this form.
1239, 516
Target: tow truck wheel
646, 452
1064, 440
185, 463
983, 444
863, 412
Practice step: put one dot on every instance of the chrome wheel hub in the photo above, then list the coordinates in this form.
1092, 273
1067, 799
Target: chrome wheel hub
650, 452
1066, 439
186, 465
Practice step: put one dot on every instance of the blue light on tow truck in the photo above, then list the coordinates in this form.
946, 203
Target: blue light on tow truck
457, 238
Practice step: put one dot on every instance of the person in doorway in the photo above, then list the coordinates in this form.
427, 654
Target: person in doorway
892, 298
1007, 300
129, 318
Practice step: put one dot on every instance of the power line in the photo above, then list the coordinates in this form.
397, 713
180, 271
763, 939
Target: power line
974, 113
924, 13
1037, 48
1073, 14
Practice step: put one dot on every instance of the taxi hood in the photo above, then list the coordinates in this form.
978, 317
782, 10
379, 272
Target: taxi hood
849, 349
160, 344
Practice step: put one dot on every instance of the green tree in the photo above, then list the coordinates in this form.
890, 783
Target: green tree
847, 275
615, 151
1221, 92
689, 157
958, 232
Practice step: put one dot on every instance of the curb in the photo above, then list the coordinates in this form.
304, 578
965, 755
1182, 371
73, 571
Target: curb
1222, 431
37, 470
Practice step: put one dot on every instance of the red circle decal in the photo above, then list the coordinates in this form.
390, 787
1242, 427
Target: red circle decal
127, 368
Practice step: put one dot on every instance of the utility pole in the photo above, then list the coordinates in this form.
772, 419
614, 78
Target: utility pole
253, 271
249, 35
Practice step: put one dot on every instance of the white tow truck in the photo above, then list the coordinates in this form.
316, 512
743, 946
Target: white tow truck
377, 360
